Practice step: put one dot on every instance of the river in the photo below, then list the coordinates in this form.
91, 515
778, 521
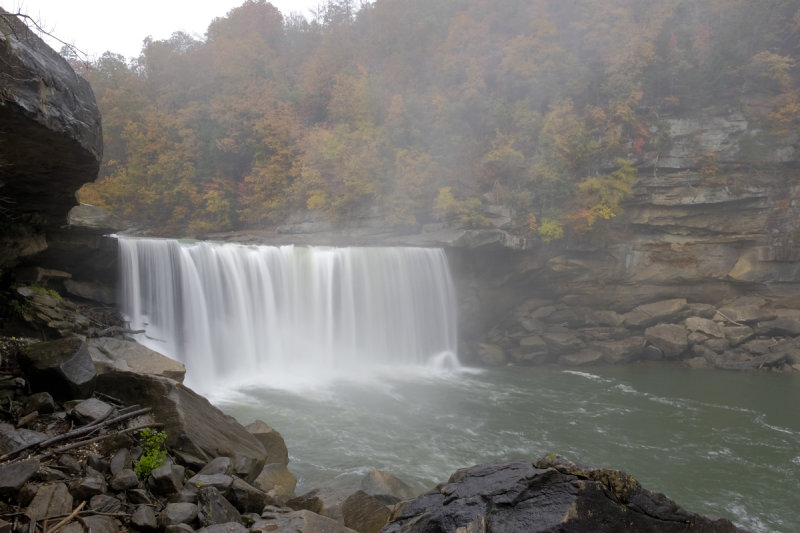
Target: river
719, 443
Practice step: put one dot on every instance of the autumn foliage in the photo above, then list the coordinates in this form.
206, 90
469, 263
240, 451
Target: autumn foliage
420, 110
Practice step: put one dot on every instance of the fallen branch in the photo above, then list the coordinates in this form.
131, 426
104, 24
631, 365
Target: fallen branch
69, 517
720, 313
75, 433
98, 439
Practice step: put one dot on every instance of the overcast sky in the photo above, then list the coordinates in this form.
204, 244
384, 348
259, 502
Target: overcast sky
96, 26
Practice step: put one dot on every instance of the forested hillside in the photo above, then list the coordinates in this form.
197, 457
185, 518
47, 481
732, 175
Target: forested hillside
420, 110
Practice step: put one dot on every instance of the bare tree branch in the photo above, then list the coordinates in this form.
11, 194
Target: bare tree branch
30, 21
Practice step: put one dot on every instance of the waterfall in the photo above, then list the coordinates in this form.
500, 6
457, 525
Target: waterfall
234, 312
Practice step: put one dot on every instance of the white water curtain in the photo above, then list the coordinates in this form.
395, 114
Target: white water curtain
234, 310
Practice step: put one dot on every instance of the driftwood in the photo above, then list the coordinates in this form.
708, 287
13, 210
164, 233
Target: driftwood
101, 437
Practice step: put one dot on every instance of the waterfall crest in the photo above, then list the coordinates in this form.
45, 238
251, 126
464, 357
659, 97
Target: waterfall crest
230, 311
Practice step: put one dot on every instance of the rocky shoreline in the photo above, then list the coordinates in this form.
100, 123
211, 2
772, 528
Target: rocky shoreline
74, 417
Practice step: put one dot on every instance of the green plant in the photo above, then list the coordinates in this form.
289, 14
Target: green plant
154, 452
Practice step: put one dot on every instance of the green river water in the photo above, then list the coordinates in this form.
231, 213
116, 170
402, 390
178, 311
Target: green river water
719, 443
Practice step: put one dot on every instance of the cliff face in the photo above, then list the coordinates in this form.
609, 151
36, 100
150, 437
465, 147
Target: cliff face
50, 140
713, 218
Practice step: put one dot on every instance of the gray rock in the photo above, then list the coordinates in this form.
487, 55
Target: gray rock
72, 465
221, 482
99, 524
49, 501
110, 354
671, 339
324, 501
213, 508
218, 465
622, 350
12, 438
84, 488
139, 496
559, 342
61, 367
746, 314
179, 528
90, 410
103, 503
14, 475
271, 440
144, 517
364, 513
166, 479
124, 479
177, 513
779, 327
736, 335
246, 498
120, 460
492, 354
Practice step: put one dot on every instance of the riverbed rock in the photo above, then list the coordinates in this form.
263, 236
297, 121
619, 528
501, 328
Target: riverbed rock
387, 487
213, 508
277, 482
671, 339
364, 513
551, 495
50, 500
14, 475
298, 522
90, 410
653, 313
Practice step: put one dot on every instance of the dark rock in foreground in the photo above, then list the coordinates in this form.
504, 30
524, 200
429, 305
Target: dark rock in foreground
548, 496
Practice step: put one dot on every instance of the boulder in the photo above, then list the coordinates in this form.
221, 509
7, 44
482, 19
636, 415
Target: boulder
622, 350
387, 487
12, 438
51, 139
779, 327
144, 518
671, 339
705, 325
364, 513
91, 410
110, 354
325, 501
95, 524
61, 367
551, 495
193, 425
167, 479
246, 498
177, 513
124, 479
492, 354
277, 482
87, 487
271, 440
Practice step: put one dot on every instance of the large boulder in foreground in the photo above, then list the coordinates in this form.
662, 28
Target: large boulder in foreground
551, 495
61, 367
193, 425
51, 138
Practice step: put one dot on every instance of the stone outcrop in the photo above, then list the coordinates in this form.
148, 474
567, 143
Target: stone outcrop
51, 139
551, 495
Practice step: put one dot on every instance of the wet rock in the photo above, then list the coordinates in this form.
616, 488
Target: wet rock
213, 508
144, 517
221, 482
218, 465
61, 367
139, 496
49, 501
492, 354
364, 513
246, 466
622, 350
271, 440
387, 487
779, 327
70, 463
671, 339
177, 513
94, 524
325, 501
553, 495
736, 335
746, 313
14, 475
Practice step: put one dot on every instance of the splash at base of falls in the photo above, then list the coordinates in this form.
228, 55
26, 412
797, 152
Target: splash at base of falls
238, 314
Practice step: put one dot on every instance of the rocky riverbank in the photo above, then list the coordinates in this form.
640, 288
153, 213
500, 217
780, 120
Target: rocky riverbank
81, 447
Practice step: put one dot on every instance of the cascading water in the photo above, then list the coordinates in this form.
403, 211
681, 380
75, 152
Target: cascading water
241, 312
